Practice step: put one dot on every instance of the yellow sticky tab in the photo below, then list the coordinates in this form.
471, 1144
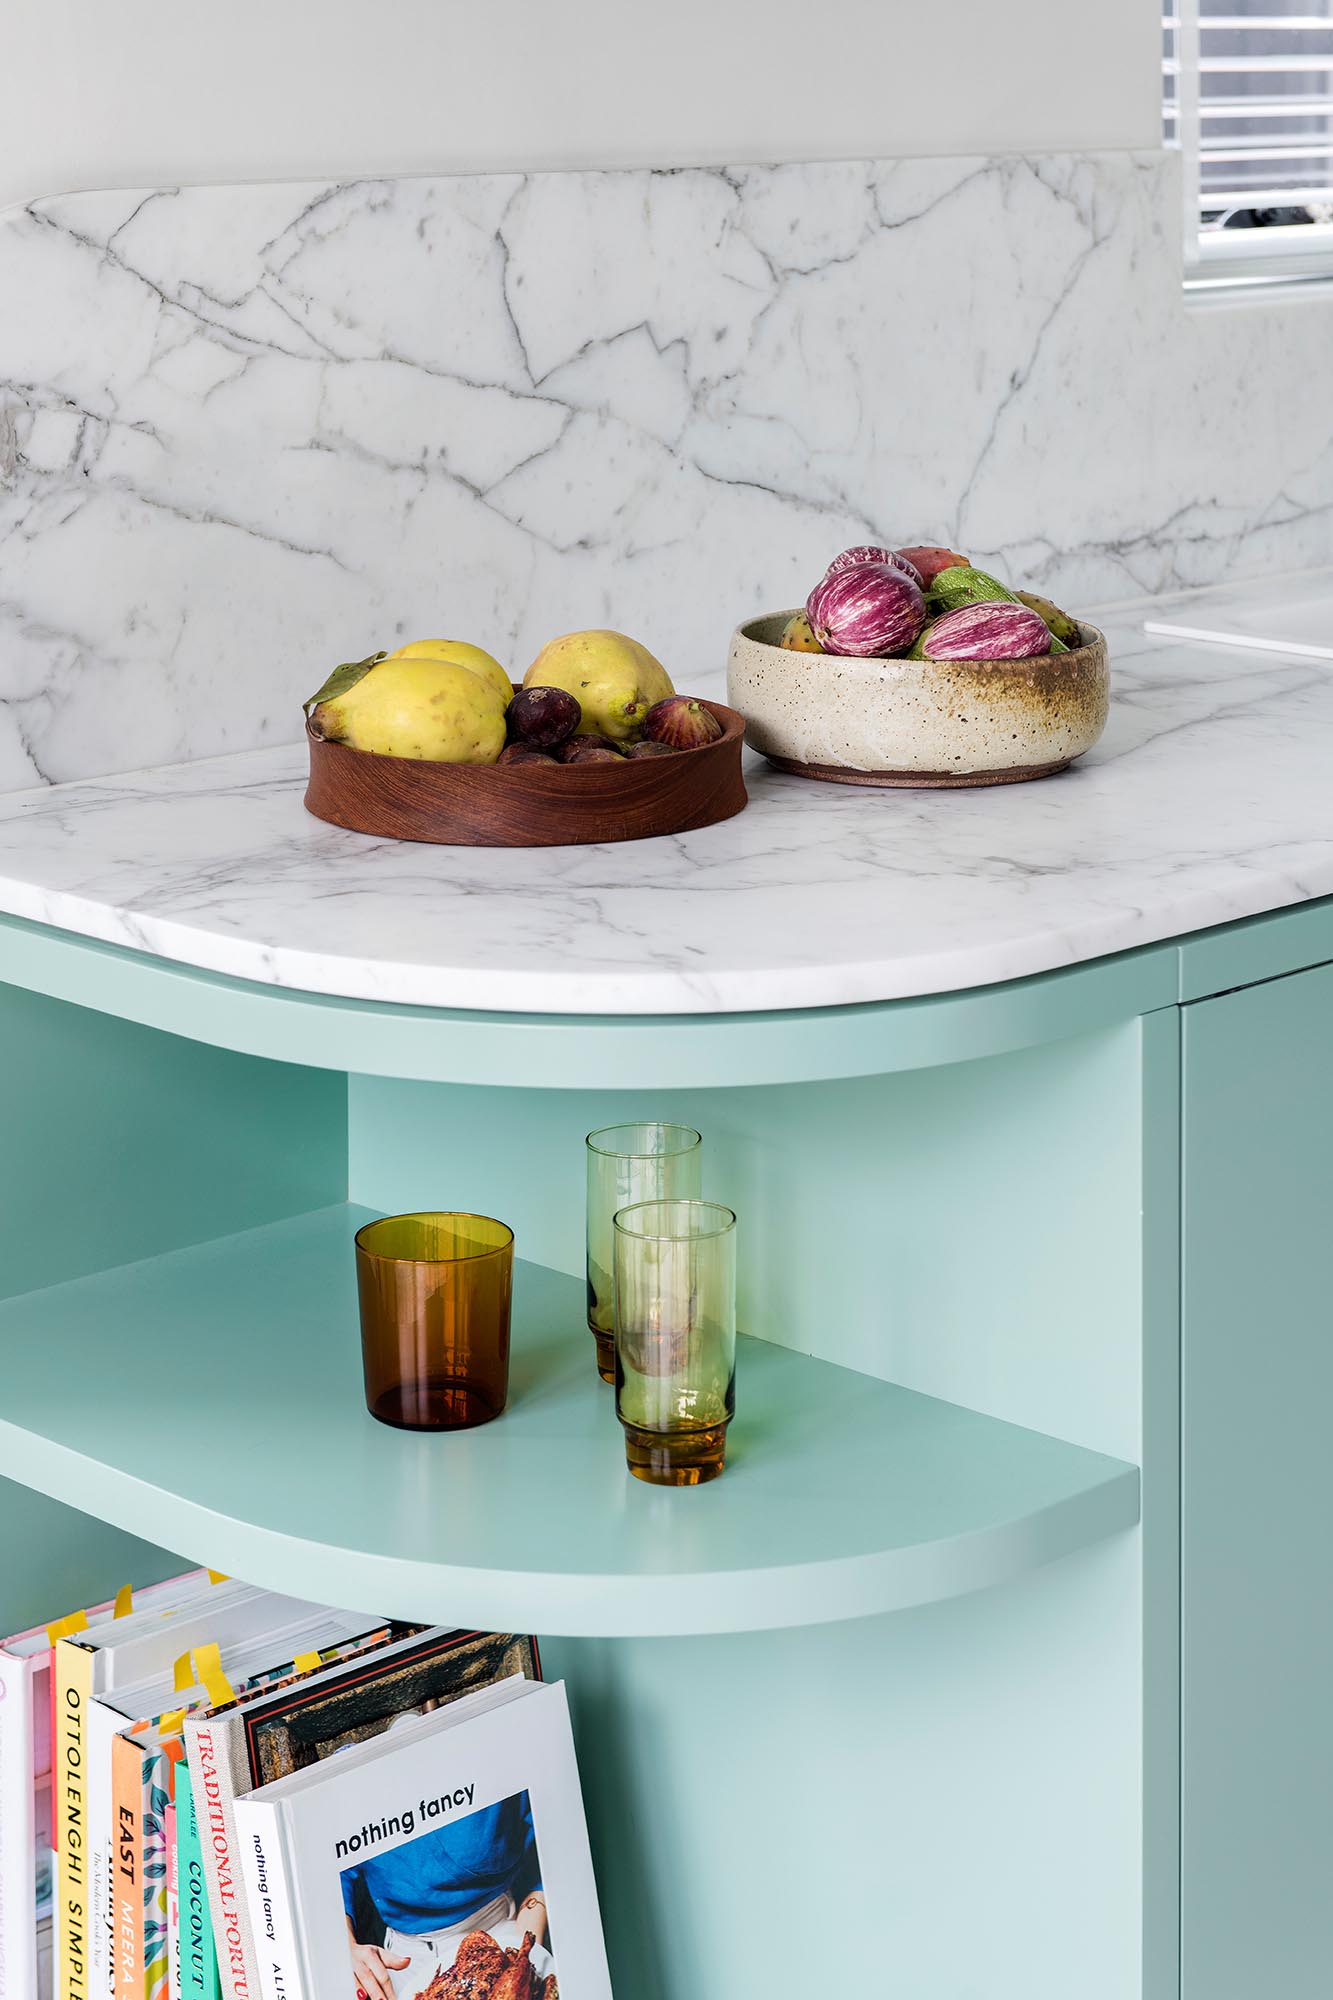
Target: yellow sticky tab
124, 1601
203, 1668
306, 1663
208, 1669
216, 1576
171, 1725
63, 1627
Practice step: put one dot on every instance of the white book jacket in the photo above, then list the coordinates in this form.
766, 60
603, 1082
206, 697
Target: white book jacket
297, 1836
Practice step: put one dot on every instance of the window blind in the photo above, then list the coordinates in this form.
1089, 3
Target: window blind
1248, 99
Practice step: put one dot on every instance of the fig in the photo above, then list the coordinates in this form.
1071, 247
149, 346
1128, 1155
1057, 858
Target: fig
797, 636
988, 631
589, 750
681, 722
929, 562
645, 747
1062, 626
853, 558
867, 612
543, 717
524, 753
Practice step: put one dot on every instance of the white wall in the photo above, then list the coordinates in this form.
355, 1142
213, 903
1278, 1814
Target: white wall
105, 93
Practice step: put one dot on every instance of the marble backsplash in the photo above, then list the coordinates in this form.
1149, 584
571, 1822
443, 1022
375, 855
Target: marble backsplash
246, 432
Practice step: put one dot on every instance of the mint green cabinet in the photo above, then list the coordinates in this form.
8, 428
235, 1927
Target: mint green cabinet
1066, 1229
1257, 1494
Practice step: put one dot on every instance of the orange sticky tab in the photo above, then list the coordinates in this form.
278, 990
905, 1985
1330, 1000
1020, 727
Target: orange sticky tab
306, 1663
64, 1627
124, 1601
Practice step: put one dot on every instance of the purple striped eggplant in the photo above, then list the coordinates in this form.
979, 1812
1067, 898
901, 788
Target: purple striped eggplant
988, 631
853, 558
866, 612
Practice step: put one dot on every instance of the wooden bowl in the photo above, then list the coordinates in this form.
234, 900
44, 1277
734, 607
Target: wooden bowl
917, 722
529, 805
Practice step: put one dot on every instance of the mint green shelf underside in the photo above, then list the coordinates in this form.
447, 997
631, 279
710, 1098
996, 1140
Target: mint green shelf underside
651, 1052
211, 1400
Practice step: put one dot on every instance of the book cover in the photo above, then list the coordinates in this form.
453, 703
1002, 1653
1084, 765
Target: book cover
72, 1678
446, 1859
128, 1890
142, 1784
198, 1958
173, 1909
278, 1731
27, 1857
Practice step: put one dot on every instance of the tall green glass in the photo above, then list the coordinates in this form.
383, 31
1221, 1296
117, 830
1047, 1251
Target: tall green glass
675, 1264
626, 1164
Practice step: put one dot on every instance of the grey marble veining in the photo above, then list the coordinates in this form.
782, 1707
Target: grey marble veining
246, 432
1206, 801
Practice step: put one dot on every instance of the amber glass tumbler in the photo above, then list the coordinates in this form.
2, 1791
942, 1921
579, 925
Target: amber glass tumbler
675, 1338
629, 1163
435, 1292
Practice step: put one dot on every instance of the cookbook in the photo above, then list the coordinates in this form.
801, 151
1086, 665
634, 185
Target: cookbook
446, 1859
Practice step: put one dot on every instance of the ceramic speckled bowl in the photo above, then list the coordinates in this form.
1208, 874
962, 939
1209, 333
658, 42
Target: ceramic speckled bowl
916, 722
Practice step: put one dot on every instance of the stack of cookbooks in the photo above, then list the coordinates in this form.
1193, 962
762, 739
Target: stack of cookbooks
211, 1792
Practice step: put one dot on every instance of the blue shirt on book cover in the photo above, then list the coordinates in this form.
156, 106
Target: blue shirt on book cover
441, 1878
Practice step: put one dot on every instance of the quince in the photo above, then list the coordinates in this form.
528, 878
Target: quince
430, 709
615, 680
463, 655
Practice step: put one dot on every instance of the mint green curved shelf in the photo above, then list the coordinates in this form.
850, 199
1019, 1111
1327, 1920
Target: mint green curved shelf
570, 1051
651, 1052
210, 1399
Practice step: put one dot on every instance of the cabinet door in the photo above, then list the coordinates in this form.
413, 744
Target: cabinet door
1257, 1498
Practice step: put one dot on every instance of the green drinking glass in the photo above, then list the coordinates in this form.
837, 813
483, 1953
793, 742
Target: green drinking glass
627, 1164
675, 1282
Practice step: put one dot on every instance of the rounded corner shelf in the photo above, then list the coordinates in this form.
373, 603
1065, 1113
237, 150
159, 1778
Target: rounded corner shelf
846, 1496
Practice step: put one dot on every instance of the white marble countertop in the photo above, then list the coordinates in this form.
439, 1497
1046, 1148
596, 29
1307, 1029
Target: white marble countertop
1295, 617
1207, 800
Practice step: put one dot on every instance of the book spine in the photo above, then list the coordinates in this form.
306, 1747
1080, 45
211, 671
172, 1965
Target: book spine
127, 1880
18, 1830
199, 1964
266, 1876
214, 1793
102, 1724
173, 1909
72, 1681
155, 1793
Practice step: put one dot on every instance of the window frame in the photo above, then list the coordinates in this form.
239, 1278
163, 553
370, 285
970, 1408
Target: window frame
1298, 253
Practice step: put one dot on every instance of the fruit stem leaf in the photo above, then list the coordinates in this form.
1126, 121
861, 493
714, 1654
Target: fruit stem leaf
343, 679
